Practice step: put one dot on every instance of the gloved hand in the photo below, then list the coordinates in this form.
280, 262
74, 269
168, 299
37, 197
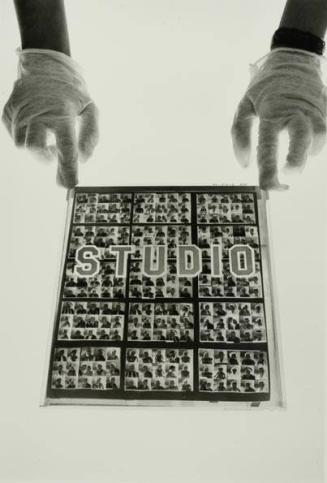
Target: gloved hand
50, 95
286, 91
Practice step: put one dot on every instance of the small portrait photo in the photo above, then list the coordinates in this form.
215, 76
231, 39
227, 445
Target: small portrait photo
206, 309
98, 353
59, 369
132, 355
230, 290
86, 354
70, 382
261, 386
245, 323
247, 373
66, 321
90, 334
219, 385
73, 354
233, 336
84, 382
247, 358
131, 383
99, 383
131, 370
171, 384
159, 356
77, 334
219, 322
217, 287
159, 371
144, 384
113, 368
158, 384
185, 385
247, 386
85, 369
246, 335
146, 334
112, 382
205, 385
233, 372
185, 288
233, 358
206, 356
205, 290
103, 334
104, 321
64, 334
113, 354
233, 385
185, 356
58, 382
259, 335
71, 369
260, 372
220, 372
220, 357
219, 335
260, 358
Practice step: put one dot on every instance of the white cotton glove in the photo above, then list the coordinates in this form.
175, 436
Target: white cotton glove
49, 96
286, 91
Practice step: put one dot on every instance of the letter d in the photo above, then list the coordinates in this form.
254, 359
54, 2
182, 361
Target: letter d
189, 262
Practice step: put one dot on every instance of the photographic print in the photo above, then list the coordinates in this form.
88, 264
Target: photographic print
165, 296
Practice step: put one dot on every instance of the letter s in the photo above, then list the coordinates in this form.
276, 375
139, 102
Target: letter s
87, 261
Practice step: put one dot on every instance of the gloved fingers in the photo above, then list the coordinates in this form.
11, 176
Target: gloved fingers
67, 153
36, 136
36, 140
300, 134
241, 130
19, 135
267, 156
319, 135
6, 118
89, 132
16, 129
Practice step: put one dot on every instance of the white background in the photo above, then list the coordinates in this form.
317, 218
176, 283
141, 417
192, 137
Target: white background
167, 76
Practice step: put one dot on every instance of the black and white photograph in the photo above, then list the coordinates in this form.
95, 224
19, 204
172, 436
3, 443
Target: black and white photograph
197, 293
163, 213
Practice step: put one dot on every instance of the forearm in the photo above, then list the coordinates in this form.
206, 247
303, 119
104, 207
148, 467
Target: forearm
42, 24
306, 15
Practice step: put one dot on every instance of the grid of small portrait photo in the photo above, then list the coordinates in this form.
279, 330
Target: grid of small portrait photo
102, 237
164, 336
169, 236
168, 285
98, 208
96, 368
169, 322
226, 236
225, 208
105, 284
91, 321
162, 208
159, 370
229, 285
233, 371
232, 322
